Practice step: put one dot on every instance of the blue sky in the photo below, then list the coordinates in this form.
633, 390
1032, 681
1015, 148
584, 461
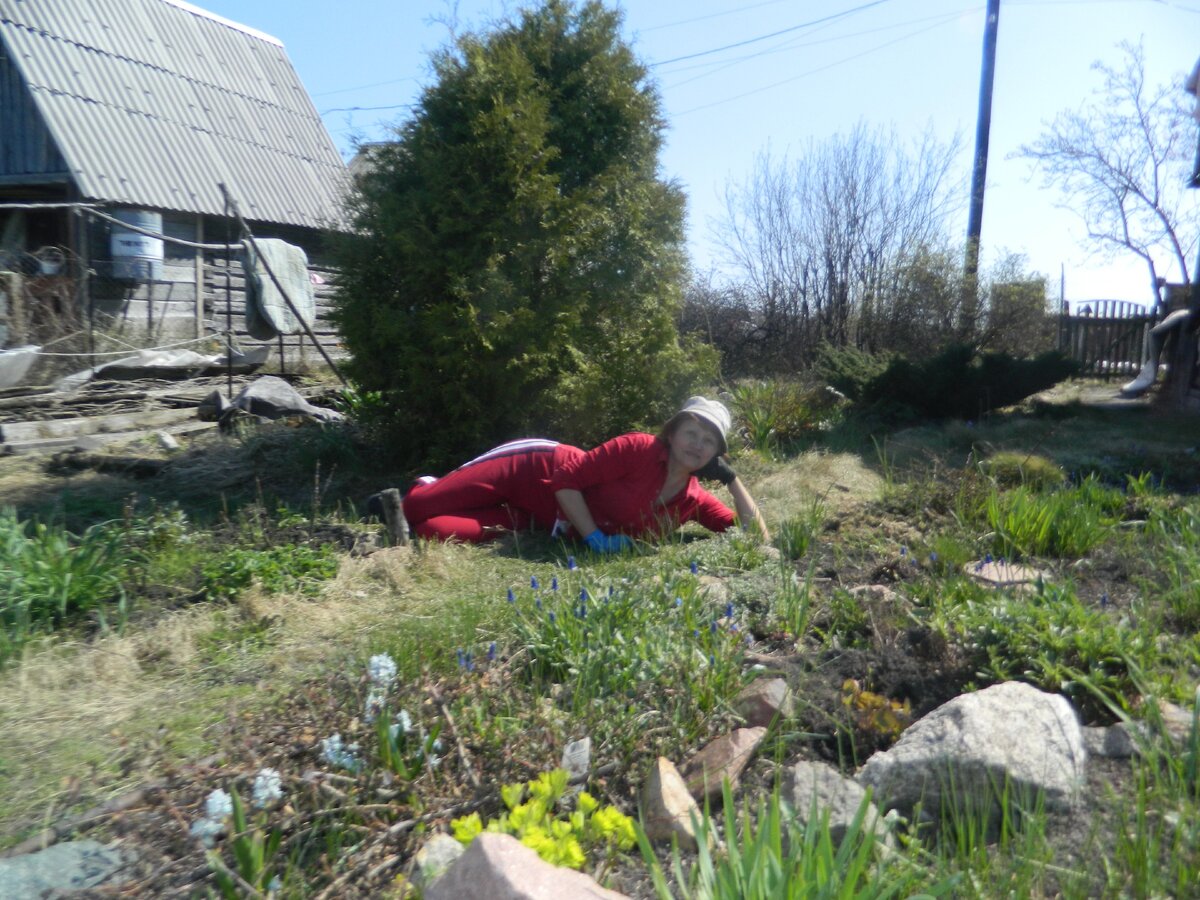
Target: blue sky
910, 64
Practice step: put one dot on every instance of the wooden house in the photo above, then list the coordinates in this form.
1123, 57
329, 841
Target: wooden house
149, 114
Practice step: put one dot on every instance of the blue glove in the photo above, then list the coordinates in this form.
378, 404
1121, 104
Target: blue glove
607, 543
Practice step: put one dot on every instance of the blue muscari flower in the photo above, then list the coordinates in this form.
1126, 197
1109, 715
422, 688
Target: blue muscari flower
988, 559
533, 582
554, 583
903, 550
712, 629
583, 594
461, 656
729, 610
1104, 599
932, 556
552, 617
468, 663
492, 651
679, 601
538, 602
695, 568
696, 632
571, 564
733, 626
512, 598
712, 660
610, 590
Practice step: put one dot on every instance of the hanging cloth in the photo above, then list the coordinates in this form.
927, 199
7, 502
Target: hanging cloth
267, 313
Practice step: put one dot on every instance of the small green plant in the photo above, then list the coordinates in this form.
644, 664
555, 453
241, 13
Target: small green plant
405, 749
283, 568
1174, 536
616, 639
254, 852
49, 576
771, 854
1063, 523
796, 534
562, 838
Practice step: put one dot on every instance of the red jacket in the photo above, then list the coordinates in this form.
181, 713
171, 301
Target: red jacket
621, 480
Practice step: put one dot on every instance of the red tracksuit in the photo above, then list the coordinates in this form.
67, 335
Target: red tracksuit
513, 486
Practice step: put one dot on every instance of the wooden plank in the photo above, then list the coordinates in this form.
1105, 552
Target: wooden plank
77, 427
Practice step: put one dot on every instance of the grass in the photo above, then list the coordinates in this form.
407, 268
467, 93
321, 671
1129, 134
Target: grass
249, 629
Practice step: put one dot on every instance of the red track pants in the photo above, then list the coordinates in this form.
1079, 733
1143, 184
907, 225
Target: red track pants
505, 489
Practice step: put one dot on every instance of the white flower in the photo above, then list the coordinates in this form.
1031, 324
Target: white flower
206, 830
404, 720
268, 787
374, 705
218, 806
336, 754
381, 670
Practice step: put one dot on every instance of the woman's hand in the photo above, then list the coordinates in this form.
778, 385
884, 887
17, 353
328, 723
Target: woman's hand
607, 543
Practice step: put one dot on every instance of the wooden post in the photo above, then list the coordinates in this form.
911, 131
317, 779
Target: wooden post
393, 514
198, 263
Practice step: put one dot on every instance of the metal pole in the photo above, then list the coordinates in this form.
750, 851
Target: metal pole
983, 126
228, 295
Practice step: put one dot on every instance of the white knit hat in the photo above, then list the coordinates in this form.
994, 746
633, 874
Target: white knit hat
713, 412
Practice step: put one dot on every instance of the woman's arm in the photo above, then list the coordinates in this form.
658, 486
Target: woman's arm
747, 509
576, 510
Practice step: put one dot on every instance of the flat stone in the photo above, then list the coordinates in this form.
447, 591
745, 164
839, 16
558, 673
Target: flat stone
667, 807
499, 867
764, 701
577, 759
724, 758
1005, 574
69, 866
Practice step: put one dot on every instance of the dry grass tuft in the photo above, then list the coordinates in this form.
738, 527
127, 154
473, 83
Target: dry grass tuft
838, 479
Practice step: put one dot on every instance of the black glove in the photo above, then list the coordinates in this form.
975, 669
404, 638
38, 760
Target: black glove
717, 470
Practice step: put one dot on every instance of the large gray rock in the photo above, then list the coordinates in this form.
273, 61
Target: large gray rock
970, 748
499, 867
816, 788
69, 866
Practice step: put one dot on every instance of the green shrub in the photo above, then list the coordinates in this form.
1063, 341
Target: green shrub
848, 369
772, 415
959, 383
516, 261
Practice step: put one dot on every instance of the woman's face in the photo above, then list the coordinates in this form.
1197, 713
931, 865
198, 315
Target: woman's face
693, 445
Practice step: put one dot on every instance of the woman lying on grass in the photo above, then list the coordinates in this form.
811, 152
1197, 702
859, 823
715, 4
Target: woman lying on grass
634, 486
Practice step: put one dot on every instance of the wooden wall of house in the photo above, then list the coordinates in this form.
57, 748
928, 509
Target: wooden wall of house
228, 304
163, 310
26, 147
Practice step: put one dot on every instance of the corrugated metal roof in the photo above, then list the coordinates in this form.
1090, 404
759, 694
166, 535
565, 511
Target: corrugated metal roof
154, 103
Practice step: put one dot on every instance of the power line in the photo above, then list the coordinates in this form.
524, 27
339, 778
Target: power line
765, 37
368, 108
812, 71
792, 45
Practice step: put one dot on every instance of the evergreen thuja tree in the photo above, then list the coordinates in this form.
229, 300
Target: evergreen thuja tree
516, 265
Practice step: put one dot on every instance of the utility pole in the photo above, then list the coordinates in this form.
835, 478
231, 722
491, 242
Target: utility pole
983, 127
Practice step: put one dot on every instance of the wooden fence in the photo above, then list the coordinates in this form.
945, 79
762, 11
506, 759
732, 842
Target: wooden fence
1108, 338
